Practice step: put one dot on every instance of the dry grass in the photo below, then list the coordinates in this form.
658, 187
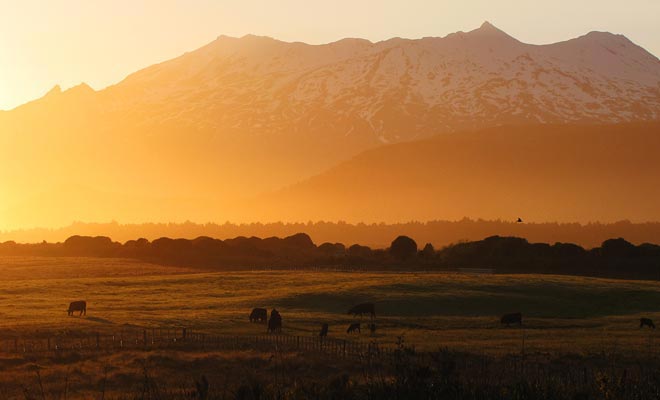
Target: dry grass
570, 323
564, 314
40, 268
93, 375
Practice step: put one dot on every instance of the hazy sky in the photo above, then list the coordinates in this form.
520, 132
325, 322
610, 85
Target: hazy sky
48, 42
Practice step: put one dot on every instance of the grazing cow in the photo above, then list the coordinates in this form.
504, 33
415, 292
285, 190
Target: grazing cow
259, 315
646, 322
77, 306
513, 318
364, 308
354, 328
372, 329
324, 330
275, 322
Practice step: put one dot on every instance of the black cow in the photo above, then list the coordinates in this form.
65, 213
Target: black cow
259, 315
354, 328
513, 318
275, 322
80, 305
646, 322
324, 330
364, 308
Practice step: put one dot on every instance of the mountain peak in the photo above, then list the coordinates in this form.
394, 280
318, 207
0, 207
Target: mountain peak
57, 89
249, 38
617, 45
602, 36
257, 38
81, 88
488, 30
606, 37
488, 26
57, 94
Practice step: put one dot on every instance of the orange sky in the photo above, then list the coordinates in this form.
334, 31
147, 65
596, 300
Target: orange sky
43, 43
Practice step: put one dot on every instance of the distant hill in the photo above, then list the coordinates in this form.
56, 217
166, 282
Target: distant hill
561, 173
240, 116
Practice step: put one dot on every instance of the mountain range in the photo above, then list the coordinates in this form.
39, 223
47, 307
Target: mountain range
202, 135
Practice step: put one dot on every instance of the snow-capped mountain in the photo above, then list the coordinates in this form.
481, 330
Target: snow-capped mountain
241, 116
399, 89
388, 91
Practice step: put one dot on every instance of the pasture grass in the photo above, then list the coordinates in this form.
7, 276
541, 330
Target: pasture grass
430, 310
580, 338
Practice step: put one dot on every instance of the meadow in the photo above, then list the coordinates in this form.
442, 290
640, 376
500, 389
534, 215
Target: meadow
580, 336
430, 310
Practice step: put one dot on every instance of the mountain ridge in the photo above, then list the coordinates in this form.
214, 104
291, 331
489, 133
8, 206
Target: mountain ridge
242, 116
486, 29
564, 173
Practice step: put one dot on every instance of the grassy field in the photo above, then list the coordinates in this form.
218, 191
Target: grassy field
430, 310
581, 335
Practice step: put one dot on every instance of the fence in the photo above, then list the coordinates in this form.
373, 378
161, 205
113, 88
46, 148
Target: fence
187, 339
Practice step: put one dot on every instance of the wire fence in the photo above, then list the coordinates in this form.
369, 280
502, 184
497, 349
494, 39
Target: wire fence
188, 339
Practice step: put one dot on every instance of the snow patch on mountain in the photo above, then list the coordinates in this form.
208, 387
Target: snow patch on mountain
396, 89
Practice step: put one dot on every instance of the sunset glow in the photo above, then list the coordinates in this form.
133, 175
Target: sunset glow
295, 199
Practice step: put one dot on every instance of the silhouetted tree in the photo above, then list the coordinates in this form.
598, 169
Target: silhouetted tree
332, 249
92, 246
403, 248
618, 248
357, 251
428, 252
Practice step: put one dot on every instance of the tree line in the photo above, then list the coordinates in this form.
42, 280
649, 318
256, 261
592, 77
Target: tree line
615, 258
376, 235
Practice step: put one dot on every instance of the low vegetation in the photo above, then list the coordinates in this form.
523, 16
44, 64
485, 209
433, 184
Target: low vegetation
406, 374
616, 258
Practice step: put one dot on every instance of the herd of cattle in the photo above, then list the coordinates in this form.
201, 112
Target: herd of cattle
274, 323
